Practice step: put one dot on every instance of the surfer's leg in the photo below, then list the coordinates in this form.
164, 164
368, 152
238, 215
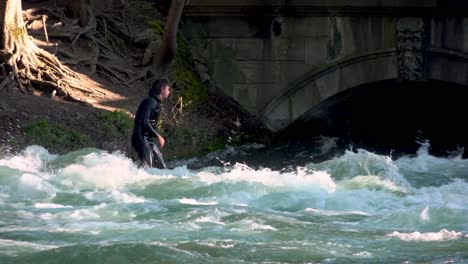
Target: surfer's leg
144, 150
147, 154
138, 146
158, 160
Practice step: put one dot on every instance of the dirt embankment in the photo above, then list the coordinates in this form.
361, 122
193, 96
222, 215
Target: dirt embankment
192, 124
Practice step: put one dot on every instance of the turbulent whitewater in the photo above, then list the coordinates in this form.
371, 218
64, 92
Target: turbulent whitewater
90, 206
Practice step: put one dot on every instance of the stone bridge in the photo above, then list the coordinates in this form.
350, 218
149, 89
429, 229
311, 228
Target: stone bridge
280, 59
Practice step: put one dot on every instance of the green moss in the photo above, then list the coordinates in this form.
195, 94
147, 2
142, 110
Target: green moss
157, 25
117, 123
182, 69
182, 72
18, 31
54, 136
218, 143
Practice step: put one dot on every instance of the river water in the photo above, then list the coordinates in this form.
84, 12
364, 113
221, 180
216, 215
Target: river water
91, 206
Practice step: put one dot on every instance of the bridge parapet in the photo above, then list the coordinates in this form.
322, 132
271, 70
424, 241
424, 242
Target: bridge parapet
316, 7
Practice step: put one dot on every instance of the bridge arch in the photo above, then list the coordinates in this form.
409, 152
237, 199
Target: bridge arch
318, 85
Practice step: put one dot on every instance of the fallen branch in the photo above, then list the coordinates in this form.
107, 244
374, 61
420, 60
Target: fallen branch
45, 28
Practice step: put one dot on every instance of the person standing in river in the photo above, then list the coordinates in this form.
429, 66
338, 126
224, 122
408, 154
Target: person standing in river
145, 140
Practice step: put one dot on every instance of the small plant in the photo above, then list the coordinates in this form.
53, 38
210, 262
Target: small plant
157, 25
54, 136
117, 123
218, 143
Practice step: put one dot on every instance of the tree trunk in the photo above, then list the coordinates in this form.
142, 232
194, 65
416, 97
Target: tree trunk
162, 63
30, 66
12, 25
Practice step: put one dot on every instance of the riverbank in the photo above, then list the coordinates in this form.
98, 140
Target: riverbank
194, 120
62, 126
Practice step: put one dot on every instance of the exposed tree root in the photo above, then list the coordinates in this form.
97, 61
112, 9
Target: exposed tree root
99, 40
112, 74
8, 82
99, 46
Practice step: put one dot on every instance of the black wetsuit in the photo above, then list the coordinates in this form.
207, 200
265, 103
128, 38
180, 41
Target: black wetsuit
144, 133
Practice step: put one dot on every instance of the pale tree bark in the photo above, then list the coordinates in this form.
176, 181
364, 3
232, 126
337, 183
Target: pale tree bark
29, 66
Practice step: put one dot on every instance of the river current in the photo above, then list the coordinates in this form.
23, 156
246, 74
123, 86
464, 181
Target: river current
91, 206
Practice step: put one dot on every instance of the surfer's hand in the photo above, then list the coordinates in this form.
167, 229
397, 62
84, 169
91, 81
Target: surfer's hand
161, 141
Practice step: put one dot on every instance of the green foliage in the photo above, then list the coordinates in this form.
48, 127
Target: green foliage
54, 136
117, 123
157, 25
218, 143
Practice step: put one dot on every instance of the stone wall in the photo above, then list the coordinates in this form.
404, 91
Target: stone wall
280, 60
254, 61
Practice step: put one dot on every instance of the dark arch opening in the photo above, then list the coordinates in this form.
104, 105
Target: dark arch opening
389, 116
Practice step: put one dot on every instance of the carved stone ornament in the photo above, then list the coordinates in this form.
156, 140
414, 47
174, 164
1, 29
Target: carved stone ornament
411, 48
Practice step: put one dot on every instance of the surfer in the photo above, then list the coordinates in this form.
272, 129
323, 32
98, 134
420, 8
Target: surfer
145, 140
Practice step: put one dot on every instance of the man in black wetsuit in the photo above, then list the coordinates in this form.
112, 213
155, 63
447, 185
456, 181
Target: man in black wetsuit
145, 139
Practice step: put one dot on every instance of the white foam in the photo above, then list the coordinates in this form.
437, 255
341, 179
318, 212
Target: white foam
102, 170
179, 171
240, 205
371, 182
363, 163
112, 196
31, 180
11, 247
334, 213
85, 228
442, 235
47, 216
50, 205
214, 217
3, 196
127, 198
34, 186
256, 226
76, 230
84, 214
426, 163
31, 159
364, 254
24, 214
91, 213
218, 244
20, 229
326, 144
298, 179
452, 195
209, 219
195, 202
424, 216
